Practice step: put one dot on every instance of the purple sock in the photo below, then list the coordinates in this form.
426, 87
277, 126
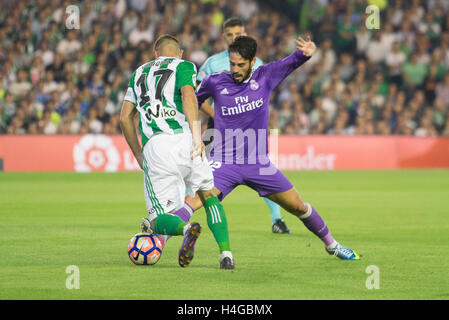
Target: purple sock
185, 213
316, 224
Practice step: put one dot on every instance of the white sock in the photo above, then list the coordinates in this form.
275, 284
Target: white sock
332, 245
225, 254
308, 213
186, 227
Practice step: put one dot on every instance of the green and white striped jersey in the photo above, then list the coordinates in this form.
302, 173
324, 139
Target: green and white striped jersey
154, 88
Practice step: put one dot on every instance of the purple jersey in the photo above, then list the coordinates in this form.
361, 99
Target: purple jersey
241, 110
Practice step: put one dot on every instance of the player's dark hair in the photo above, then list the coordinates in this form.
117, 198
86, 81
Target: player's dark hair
232, 22
245, 46
163, 39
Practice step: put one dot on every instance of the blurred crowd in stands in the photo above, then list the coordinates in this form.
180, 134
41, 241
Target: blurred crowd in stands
391, 80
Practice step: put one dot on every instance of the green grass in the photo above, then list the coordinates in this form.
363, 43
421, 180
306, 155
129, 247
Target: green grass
397, 220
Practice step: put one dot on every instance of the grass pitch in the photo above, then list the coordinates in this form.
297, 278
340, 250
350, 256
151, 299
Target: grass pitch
397, 220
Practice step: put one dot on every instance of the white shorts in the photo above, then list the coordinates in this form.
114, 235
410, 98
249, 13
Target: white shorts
168, 169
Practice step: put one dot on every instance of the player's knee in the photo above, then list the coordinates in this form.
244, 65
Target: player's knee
195, 202
206, 194
203, 193
300, 208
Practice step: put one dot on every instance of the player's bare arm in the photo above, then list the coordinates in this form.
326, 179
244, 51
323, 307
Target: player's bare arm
207, 109
190, 106
129, 130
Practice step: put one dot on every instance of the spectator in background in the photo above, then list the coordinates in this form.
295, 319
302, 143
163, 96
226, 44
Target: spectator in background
414, 73
96, 85
438, 61
37, 70
429, 27
129, 22
197, 54
285, 113
395, 59
383, 128
406, 34
47, 55
92, 123
319, 128
340, 125
22, 86
346, 32
442, 91
273, 119
49, 83
346, 67
312, 14
430, 84
46, 125
426, 129
328, 25
71, 122
70, 45
376, 49
363, 38
142, 32
335, 81
2, 89
138, 5
3, 125
307, 96
329, 105
328, 56
439, 114
445, 132
9, 107
17, 125
317, 114
388, 36
301, 123
246, 9
39, 25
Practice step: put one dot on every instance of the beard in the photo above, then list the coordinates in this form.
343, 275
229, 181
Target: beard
239, 78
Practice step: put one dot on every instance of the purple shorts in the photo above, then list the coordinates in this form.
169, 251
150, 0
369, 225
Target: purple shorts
265, 179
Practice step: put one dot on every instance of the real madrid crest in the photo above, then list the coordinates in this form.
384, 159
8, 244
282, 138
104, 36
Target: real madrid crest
253, 85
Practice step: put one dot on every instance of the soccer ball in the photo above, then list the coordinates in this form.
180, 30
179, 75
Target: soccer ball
145, 248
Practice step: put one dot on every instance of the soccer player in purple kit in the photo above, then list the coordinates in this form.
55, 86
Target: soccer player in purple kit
232, 28
240, 145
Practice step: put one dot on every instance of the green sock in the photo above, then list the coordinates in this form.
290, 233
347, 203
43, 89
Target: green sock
216, 220
169, 224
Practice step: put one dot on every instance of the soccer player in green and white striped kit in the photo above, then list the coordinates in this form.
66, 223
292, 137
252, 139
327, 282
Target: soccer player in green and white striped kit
172, 154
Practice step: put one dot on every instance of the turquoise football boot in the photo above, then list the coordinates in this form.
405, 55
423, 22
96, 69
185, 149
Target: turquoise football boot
343, 253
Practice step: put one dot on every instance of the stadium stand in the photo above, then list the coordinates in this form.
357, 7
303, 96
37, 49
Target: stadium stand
393, 80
